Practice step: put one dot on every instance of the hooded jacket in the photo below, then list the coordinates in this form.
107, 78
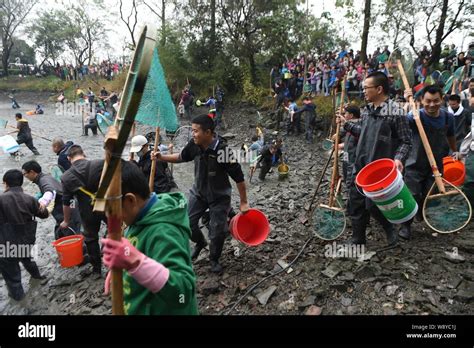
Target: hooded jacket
162, 233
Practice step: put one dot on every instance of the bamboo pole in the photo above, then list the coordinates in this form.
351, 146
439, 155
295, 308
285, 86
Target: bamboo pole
151, 181
132, 155
113, 211
421, 130
335, 169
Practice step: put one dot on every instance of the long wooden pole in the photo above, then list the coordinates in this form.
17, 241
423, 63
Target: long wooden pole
113, 211
335, 169
132, 155
151, 181
421, 130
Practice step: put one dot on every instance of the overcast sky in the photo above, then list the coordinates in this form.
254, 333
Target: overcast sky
118, 31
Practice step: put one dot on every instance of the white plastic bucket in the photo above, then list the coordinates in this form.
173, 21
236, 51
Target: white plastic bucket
9, 144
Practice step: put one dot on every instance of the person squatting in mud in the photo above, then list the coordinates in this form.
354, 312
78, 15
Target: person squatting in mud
384, 132
212, 189
154, 252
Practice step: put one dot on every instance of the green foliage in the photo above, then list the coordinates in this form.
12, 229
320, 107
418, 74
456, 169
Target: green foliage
22, 50
251, 93
48, 34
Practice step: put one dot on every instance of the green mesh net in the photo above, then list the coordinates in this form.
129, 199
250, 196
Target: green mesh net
455, 77
447, 213
156, 107
328, 223
56, 173
407, 61
182, 137
445, 75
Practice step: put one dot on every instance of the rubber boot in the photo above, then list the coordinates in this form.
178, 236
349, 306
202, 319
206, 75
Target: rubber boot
215, 251
405, 230
392, 236
197, 249
358, 234
33, 270
93, 250
17, 293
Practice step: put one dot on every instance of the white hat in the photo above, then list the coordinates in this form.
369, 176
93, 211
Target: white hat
137, 143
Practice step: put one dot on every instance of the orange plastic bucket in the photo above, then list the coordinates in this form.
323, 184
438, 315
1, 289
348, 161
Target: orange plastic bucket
70, 250
454, 171
251, 228
377, 175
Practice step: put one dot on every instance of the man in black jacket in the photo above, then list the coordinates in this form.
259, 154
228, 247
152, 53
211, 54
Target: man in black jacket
24, 133
462, 118
81, 182
51, 194
309, 113
60, 148
214, 162
18, 232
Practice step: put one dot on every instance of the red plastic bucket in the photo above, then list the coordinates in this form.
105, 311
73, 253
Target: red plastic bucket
70, 250
251, 228
377, 175
454, 171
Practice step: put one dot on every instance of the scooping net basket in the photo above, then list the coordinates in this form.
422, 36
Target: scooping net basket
156, 108
449, 212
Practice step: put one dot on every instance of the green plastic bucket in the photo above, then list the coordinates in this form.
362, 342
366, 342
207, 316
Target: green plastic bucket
394, 201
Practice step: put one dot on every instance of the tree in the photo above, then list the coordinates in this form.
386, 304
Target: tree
23, 52
245, 21
12, 14
161, 14
440, 18
130, 20
83, 30
393, 19
47, 33
365, 32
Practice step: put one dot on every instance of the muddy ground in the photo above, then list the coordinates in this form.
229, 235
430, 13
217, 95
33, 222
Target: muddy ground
418, 277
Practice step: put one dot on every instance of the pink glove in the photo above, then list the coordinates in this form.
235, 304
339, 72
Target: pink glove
108, 279
121, 255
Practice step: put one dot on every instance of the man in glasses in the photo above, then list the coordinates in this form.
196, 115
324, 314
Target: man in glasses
383, 132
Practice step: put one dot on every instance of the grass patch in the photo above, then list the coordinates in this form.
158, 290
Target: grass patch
54, 85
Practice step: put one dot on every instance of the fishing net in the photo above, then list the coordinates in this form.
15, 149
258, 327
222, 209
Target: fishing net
448, 212
181, 138
444, 77
408, 64
156, 107
103, 123
56, 172
328, 223
454, 79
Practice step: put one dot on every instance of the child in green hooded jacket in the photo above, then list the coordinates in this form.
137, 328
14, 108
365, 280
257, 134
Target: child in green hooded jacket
158, 278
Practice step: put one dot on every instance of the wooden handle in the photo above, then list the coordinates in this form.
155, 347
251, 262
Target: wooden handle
153, 163
113, 210
335, 169
132, 155
421, 130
